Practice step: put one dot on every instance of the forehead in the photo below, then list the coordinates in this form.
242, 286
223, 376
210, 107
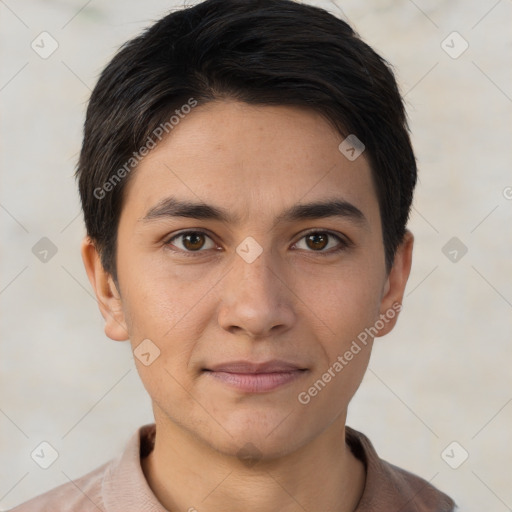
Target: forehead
250, 159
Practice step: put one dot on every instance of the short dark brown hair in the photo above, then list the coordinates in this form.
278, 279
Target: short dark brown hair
262, 52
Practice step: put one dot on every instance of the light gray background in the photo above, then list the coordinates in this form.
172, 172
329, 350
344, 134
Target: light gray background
442, 375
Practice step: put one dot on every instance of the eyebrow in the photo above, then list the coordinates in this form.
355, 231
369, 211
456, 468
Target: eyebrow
171, 207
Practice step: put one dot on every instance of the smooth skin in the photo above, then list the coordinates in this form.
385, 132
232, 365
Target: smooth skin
202, 304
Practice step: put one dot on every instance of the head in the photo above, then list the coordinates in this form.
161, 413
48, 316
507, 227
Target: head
246, 188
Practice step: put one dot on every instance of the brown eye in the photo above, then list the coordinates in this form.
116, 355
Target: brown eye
318, 241
191, 241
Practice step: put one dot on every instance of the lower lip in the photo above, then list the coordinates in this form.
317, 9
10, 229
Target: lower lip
256, 382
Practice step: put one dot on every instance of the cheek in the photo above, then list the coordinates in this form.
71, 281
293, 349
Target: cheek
347, 309
167, 307
344, 300
159, 294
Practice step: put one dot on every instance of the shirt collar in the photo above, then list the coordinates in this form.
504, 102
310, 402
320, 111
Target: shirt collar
387, 487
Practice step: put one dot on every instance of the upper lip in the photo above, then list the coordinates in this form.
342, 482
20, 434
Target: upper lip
273, 366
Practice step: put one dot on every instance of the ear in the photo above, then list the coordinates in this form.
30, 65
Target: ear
107, 295
394, 287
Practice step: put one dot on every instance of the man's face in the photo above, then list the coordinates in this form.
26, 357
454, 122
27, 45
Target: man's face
258, 287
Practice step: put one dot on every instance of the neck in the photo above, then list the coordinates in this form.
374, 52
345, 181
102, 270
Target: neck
185, 473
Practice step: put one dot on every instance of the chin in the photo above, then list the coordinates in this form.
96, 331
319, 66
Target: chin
253, 449
257, 440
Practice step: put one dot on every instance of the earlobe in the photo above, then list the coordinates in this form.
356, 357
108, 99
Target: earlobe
107, 294
393, 291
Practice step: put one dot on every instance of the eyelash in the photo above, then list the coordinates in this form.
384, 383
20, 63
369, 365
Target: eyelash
343, 243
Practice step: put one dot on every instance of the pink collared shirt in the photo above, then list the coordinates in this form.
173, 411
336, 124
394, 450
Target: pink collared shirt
120, 485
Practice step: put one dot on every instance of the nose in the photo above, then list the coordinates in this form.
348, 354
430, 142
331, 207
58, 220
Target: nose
256, 299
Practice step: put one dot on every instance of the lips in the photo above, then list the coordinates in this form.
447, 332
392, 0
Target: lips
251, 377
274, 366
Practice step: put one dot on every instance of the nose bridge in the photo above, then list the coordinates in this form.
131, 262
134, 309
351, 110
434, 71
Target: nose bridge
255, 268
254, 295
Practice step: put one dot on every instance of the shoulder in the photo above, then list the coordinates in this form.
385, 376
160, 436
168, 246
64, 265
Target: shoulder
119, 484
419, 494
83, 494
389, 487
